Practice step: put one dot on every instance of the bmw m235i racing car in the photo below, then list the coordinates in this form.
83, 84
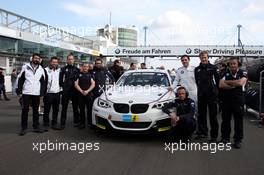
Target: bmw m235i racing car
135, 102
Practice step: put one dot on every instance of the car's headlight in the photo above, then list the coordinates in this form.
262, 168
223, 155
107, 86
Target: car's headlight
159, 105
104, 104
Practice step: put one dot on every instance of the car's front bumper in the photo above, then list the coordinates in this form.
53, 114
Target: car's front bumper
108, 118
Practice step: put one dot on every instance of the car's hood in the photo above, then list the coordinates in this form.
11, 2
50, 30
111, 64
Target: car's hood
137, 95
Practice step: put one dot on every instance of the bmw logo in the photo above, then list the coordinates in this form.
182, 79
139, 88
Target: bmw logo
117, 51
130, 101
189, 51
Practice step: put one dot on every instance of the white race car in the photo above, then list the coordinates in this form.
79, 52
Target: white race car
135, 102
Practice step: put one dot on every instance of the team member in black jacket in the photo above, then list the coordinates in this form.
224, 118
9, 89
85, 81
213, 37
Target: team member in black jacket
222, 70
182, 120
116, 70
102, 77
85, 84
233, 90
67, 77
207, 80
2, 85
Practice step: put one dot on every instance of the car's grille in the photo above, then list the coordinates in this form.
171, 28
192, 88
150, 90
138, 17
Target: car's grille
131, 124
139, 108
121, 108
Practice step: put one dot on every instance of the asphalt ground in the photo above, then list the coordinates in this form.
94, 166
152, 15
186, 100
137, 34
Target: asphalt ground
118, 153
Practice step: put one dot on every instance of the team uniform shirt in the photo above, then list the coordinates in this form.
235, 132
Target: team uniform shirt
207, 80
184, 108
67, 77
85, 80
185, 77
102, 77
53, 75
31, 81
236, 95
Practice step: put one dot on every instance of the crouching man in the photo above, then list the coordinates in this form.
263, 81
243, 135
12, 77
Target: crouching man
182, 118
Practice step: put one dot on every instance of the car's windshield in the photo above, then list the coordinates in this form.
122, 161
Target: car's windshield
144, 79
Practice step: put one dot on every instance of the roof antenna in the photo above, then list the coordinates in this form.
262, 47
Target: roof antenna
110, 19
239, 43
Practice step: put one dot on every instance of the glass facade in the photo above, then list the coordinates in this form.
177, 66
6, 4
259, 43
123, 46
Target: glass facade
127, 37
19, 51
8, 44
14, 46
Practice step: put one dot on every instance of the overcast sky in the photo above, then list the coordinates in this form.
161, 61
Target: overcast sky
170, 22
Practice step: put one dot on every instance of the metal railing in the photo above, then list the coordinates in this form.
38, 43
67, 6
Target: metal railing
21, 23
